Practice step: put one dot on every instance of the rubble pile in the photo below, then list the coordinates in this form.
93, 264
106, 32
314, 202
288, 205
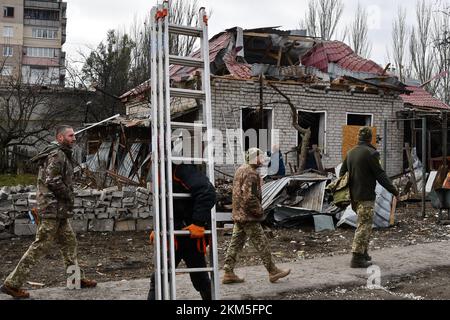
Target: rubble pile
104, 210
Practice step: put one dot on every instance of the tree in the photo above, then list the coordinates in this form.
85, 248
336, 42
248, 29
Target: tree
107, 68
28, 114
182, 12
421, 48
399, 43
441, 41
358, 33
322, 18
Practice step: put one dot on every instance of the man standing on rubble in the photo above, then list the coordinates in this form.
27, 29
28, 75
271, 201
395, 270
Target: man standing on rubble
191, 214
55, 199
363, 165
247, 216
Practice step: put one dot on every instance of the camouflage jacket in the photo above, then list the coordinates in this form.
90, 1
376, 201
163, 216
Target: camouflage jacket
247, 195
55, 188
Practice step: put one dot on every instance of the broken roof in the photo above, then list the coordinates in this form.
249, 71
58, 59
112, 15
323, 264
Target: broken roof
324, 53
243, 54
420, 98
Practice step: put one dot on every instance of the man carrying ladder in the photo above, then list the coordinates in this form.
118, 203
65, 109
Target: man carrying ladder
183, 197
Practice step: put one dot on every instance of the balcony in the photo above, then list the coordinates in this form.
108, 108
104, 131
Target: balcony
41, 23
42, 4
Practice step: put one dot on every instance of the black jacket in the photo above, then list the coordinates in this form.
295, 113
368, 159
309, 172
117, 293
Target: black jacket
197, 209
363, 165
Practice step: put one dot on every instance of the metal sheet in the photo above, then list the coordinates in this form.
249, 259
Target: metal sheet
314, 197
102, 156
272, 189
127, 164
382, 210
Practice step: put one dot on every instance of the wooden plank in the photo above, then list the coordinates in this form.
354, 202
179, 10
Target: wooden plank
393, 209
350, 138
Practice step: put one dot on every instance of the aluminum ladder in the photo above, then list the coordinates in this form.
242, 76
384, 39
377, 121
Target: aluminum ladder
160, 100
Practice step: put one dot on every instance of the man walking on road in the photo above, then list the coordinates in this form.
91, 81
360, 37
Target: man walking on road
55, 199
363, 165
247, 216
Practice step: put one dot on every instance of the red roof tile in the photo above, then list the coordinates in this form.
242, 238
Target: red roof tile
422, 99
322, 54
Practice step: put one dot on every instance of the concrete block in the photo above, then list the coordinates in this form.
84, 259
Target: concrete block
145, 214
144, 224
111, 189
89, 204
21, 229
104, 203
18, 196
117, 194
79, 226
84, 193
103, 215
126, 225
105, 225
116, 204
128, 200
99, 210
21, 202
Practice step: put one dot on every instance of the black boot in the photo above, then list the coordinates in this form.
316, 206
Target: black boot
359, 261
366, 255
206, 294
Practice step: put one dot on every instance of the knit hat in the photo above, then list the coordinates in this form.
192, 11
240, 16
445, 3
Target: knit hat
365, 134
252, 154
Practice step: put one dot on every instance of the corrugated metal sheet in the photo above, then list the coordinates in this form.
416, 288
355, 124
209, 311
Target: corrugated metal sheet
313, 199
101, 157
272, 189
382, 210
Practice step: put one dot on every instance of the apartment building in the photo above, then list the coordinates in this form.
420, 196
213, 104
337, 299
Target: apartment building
32, 34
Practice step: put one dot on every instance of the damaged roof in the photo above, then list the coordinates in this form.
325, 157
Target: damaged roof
324, 53
277, 54
420, 98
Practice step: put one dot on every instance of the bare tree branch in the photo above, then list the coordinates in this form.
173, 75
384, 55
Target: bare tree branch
322, 18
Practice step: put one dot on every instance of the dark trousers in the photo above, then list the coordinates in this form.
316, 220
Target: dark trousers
189, 253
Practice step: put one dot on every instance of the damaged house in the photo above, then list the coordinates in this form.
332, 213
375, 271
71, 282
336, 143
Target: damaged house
261, 76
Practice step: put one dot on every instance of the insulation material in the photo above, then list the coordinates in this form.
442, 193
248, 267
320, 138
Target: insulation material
350, 138
382, 216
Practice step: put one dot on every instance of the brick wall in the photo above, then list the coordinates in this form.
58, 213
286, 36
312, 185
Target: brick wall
228, 96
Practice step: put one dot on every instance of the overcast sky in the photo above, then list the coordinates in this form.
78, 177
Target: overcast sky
89, 20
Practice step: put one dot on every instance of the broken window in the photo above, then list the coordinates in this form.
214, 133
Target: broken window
251, 123
316, 121
359, 119
8, 12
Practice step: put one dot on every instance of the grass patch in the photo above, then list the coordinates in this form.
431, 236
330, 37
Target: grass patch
14, 180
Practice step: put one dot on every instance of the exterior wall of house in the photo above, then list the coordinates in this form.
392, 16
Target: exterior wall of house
229, 96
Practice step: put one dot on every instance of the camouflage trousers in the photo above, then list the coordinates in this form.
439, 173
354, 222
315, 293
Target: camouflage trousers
255, 233
363, 232
50, 231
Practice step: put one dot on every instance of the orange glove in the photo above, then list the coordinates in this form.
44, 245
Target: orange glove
196, 231
152, 237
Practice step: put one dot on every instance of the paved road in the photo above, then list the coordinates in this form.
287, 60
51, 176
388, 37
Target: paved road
306, 275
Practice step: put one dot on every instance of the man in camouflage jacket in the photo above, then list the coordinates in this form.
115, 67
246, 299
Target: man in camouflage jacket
247, 216
55, 198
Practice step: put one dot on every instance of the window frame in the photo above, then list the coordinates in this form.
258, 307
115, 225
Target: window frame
8, 53
360, 114
9, 34
5, 12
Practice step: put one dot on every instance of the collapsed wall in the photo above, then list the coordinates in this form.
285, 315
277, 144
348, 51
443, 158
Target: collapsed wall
104, 210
